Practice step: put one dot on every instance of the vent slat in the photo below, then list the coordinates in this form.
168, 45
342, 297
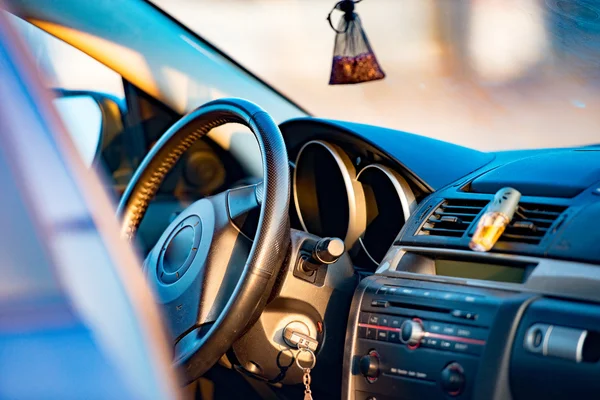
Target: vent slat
541, 231
543, 208
433, 229
456, 214
536, 220
438, 221
521, 239
452, 218
466, 209
443, 232
539, 216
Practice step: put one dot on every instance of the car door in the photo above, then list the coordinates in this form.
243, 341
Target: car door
76, 318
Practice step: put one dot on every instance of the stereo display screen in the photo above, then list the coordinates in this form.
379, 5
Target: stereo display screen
483, 271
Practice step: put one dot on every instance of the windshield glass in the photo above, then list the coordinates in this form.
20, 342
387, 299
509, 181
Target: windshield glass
488, 74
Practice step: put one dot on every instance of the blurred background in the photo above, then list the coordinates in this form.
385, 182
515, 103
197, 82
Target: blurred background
488, 74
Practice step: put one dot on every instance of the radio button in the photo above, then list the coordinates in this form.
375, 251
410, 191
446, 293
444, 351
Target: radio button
467, 348
461, 346
436, 294
464, 315
395, 322
473, 333
362, 332
384, 320
440, 295
374, 319
371, 333
449, 330
431, 343
418, 292
394, 337
450, 296
434, 327
380, 303
382, 335
464, 332
445, 345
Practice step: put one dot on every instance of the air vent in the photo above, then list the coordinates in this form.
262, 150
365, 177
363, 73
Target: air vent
531, 222
452, 218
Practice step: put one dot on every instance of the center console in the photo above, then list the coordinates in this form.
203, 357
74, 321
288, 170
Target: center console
433, 333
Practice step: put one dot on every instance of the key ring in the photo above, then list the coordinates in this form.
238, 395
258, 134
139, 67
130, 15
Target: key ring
309, 351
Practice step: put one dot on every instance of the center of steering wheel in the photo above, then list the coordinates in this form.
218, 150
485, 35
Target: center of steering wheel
179, 249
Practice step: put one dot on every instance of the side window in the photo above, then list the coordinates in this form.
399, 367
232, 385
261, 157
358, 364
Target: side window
89, 97
66, 67
110, 121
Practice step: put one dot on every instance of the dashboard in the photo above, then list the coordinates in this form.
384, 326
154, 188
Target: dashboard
433, 319
430, 318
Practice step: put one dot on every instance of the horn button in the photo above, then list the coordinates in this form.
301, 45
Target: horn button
179, 250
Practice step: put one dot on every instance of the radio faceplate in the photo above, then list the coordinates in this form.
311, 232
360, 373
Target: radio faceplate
415, 339
416, 332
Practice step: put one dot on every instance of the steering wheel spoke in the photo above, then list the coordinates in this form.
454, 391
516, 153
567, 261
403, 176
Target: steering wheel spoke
244, 199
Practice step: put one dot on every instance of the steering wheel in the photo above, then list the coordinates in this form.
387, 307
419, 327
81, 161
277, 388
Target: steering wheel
211, 280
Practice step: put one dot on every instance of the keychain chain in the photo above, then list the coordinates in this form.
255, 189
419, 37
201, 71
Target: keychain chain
306, 378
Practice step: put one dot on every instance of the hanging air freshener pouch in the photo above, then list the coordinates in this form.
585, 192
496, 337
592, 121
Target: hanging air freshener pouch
353, 57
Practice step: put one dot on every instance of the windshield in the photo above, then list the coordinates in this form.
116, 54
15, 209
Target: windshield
487, 74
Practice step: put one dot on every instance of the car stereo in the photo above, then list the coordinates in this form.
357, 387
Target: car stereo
415, 340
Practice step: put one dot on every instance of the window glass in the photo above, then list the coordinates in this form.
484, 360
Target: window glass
83, 119
492, 75
64, 66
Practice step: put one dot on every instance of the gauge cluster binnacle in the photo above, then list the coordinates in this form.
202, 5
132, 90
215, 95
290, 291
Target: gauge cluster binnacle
366, 209
328, 198
389, 202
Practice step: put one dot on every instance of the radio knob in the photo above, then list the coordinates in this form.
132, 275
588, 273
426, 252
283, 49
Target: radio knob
411, 332
453, 379
369, 365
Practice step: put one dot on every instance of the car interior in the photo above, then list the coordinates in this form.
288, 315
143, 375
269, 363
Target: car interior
291, 255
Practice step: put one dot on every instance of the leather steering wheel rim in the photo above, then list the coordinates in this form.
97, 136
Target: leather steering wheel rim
272, 236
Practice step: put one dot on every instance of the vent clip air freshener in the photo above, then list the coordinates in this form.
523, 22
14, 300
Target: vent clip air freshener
495, 219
